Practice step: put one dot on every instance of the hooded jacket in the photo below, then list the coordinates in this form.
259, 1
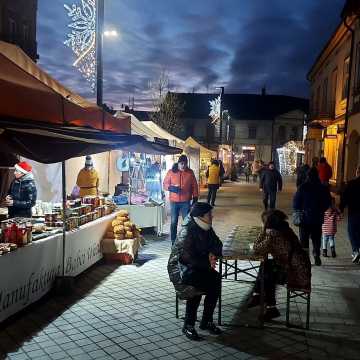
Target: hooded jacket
185, 183
88, 182
189, 255
23, 192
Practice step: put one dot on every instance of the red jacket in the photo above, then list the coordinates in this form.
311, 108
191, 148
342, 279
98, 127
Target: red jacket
185, 180
325, 172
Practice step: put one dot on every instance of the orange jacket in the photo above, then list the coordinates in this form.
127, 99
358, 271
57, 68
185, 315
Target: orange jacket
325, 172
185, 180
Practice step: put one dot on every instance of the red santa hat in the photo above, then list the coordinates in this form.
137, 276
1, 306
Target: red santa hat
23, 167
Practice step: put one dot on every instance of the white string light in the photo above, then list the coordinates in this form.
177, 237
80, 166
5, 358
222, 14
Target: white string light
215, 109
82, 38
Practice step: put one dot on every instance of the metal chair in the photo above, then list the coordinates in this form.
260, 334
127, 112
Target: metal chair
293, 293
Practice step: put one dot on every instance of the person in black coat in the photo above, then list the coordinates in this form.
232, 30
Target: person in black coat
22, 193
191, 268
350, 198
302, 174
270, 184
312, 199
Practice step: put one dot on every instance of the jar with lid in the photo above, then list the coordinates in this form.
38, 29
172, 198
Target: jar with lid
29, 231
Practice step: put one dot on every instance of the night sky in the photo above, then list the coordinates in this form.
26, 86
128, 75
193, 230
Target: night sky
239, 44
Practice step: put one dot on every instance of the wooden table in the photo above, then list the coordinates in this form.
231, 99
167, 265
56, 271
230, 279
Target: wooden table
238, 246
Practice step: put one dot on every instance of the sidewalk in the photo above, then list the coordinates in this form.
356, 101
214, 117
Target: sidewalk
128, 312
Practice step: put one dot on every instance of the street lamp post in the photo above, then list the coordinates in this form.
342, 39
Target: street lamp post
99, 46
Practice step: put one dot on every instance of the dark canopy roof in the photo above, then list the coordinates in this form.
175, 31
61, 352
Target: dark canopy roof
243, 106
50, 143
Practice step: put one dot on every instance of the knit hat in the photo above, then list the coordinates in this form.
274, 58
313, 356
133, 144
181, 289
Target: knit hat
88, 161
23, 167
183, 159
200, 209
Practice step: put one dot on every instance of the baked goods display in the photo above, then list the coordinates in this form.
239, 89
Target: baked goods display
122, 237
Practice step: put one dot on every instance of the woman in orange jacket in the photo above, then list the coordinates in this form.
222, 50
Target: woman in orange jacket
181, 183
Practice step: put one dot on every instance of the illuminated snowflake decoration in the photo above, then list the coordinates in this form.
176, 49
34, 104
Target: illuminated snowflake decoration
215, 109
82, 38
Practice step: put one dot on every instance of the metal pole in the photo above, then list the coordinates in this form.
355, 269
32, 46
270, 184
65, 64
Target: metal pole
221, 115
99, 46
63, 180
346, 125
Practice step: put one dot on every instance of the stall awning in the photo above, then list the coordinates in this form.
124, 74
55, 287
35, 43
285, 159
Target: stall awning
51, 143
204, 151
164, 134
28, 92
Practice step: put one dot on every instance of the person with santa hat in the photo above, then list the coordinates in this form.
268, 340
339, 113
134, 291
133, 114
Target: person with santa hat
22, 193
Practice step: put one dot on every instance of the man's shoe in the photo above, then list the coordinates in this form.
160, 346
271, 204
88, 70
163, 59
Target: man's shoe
190, 333
356, 258
254, 301
317, 260
324, 253
271, 313
333, 253
210, 327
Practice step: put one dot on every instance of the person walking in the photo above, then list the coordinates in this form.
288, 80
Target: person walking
213, 181
312, 199
247, 172
329, 228
351, 199
255, 169
22, 194
325, 171
270, 184
181, 183
191, 269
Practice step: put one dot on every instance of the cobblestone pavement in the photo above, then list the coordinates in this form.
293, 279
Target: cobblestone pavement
128, 312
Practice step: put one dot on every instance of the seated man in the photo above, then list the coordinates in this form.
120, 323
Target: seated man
288, 257
191, 268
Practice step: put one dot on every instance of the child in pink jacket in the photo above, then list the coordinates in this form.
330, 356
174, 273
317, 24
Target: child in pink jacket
329, 228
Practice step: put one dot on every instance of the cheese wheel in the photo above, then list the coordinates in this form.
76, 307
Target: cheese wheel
123, 213
122, 218
129, 235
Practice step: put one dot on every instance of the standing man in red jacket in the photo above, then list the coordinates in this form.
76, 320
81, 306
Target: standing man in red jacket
181, 183
325, 171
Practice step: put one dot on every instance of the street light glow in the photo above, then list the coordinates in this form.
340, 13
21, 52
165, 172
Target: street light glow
111, 33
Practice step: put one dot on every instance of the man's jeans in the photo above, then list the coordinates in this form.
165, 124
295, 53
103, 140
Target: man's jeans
354, 231
269, 195
177, 208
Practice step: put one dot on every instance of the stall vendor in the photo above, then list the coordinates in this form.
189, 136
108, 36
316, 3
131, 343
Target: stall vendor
88, 179
22, 193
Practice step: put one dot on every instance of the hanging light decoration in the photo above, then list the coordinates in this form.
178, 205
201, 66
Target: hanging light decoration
215, 109
82, 38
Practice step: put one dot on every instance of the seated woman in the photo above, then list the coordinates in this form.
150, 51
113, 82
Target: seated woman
191, 268
288, 257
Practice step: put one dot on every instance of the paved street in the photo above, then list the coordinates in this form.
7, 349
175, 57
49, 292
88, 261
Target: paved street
128, 312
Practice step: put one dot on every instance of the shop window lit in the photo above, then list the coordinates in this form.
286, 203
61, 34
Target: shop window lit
345, 78
252, 132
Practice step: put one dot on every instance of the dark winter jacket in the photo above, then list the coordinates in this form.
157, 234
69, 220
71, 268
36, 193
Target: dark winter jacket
23, 192
351, 197
302, 175
190, 255
313, 199
270, 180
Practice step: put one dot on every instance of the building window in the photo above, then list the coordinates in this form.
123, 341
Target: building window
357, 79
294, 133
282, 133
325, 96
252, 132
345, 78
12, 29
26, 34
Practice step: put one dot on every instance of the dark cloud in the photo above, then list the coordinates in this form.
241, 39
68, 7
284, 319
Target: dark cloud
241, 45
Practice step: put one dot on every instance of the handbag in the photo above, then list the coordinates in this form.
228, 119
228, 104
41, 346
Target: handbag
298, 217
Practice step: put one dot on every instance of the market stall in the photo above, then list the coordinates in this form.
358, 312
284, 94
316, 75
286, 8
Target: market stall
225, 155
43, 121
205, 158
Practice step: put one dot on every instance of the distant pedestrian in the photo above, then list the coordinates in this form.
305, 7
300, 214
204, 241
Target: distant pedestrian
181, 183
312, 199
270, 184
351, 199
255, 168
247, 172
213, 181
325, 171
191, 269
329, 228
302, 174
